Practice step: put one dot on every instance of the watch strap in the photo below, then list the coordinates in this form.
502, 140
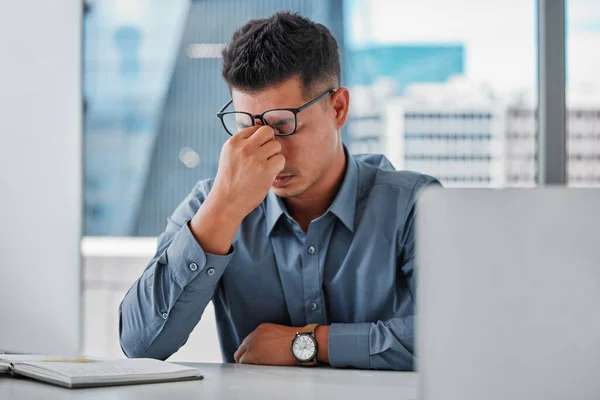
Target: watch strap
310, 330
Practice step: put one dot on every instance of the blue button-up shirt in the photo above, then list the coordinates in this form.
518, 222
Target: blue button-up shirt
353, 269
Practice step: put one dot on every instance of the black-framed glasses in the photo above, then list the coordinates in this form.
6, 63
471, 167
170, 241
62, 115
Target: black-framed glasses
284, 121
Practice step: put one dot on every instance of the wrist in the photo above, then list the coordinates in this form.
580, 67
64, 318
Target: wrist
223, 208
214, 228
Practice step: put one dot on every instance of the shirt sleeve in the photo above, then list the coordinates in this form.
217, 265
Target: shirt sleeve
379, 345
385, 344
163, 306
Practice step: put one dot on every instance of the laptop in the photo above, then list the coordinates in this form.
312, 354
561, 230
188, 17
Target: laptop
508, 295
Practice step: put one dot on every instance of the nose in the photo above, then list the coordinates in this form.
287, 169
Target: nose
259, 122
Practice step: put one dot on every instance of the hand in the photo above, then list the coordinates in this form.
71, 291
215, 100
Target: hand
269, 344
250, 161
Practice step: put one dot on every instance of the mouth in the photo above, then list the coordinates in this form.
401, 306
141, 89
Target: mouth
282, 180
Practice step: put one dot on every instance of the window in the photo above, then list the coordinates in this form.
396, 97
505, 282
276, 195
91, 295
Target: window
434, 87
152, 86
448, 94
583, 92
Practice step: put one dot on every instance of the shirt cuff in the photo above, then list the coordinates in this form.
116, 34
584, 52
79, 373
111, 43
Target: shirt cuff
187, 260
349, 345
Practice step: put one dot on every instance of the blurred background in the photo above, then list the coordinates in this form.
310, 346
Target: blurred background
444, 87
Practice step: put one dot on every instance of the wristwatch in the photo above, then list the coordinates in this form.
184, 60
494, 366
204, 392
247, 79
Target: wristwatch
305, 347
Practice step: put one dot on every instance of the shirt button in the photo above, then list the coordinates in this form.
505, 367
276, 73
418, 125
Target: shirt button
311, 249
210, 271
194, 267
165, 315
313, 306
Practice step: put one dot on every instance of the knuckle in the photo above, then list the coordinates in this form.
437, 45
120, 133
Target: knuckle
264, 169
232, 145
233, 139
262, 327
245, 151
229, 143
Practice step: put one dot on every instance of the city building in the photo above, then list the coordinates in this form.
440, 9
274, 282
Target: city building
377, 74
452, 131
583, 138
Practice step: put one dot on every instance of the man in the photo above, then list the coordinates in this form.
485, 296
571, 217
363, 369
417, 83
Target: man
306, 251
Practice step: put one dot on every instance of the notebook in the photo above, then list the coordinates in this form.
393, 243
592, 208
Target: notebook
88, 372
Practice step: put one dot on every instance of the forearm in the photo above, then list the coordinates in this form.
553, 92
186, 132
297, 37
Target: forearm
380, 345
215, 224
155, 321
165, 304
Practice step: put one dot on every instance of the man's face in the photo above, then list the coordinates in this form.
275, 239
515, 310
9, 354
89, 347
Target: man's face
310, 151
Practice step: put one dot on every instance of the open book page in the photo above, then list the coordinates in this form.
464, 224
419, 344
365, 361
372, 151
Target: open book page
7, 359
15, 358
105, 372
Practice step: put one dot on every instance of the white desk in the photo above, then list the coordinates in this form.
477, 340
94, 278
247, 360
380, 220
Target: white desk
232, 381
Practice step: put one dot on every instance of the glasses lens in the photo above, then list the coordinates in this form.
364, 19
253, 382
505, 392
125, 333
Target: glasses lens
283, 122
235, 122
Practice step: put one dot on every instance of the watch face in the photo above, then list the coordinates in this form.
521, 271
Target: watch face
304, 347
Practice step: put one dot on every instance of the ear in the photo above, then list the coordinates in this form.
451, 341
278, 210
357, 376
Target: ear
341, 104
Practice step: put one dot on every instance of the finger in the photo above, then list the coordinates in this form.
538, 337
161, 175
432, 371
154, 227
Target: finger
240, 352
269, 149
243, 346
248, 338
262, 136
246, 132
276, 164
247, 358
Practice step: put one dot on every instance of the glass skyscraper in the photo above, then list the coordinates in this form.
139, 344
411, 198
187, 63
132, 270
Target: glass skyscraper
152, 88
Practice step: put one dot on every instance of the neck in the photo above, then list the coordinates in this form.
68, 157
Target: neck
313, 203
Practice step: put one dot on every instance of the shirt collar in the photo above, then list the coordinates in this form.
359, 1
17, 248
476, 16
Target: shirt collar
343, 206
274, 209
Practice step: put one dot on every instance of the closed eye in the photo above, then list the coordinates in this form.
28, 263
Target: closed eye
281, 122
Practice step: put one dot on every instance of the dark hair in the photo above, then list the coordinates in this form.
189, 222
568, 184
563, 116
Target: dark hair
265, 52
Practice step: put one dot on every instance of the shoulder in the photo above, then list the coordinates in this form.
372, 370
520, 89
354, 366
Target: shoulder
380, 178
406, 182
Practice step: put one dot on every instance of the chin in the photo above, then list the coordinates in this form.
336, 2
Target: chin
283, 192
291, 190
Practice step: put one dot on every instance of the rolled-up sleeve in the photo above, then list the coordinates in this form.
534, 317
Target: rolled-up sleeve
163, 306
